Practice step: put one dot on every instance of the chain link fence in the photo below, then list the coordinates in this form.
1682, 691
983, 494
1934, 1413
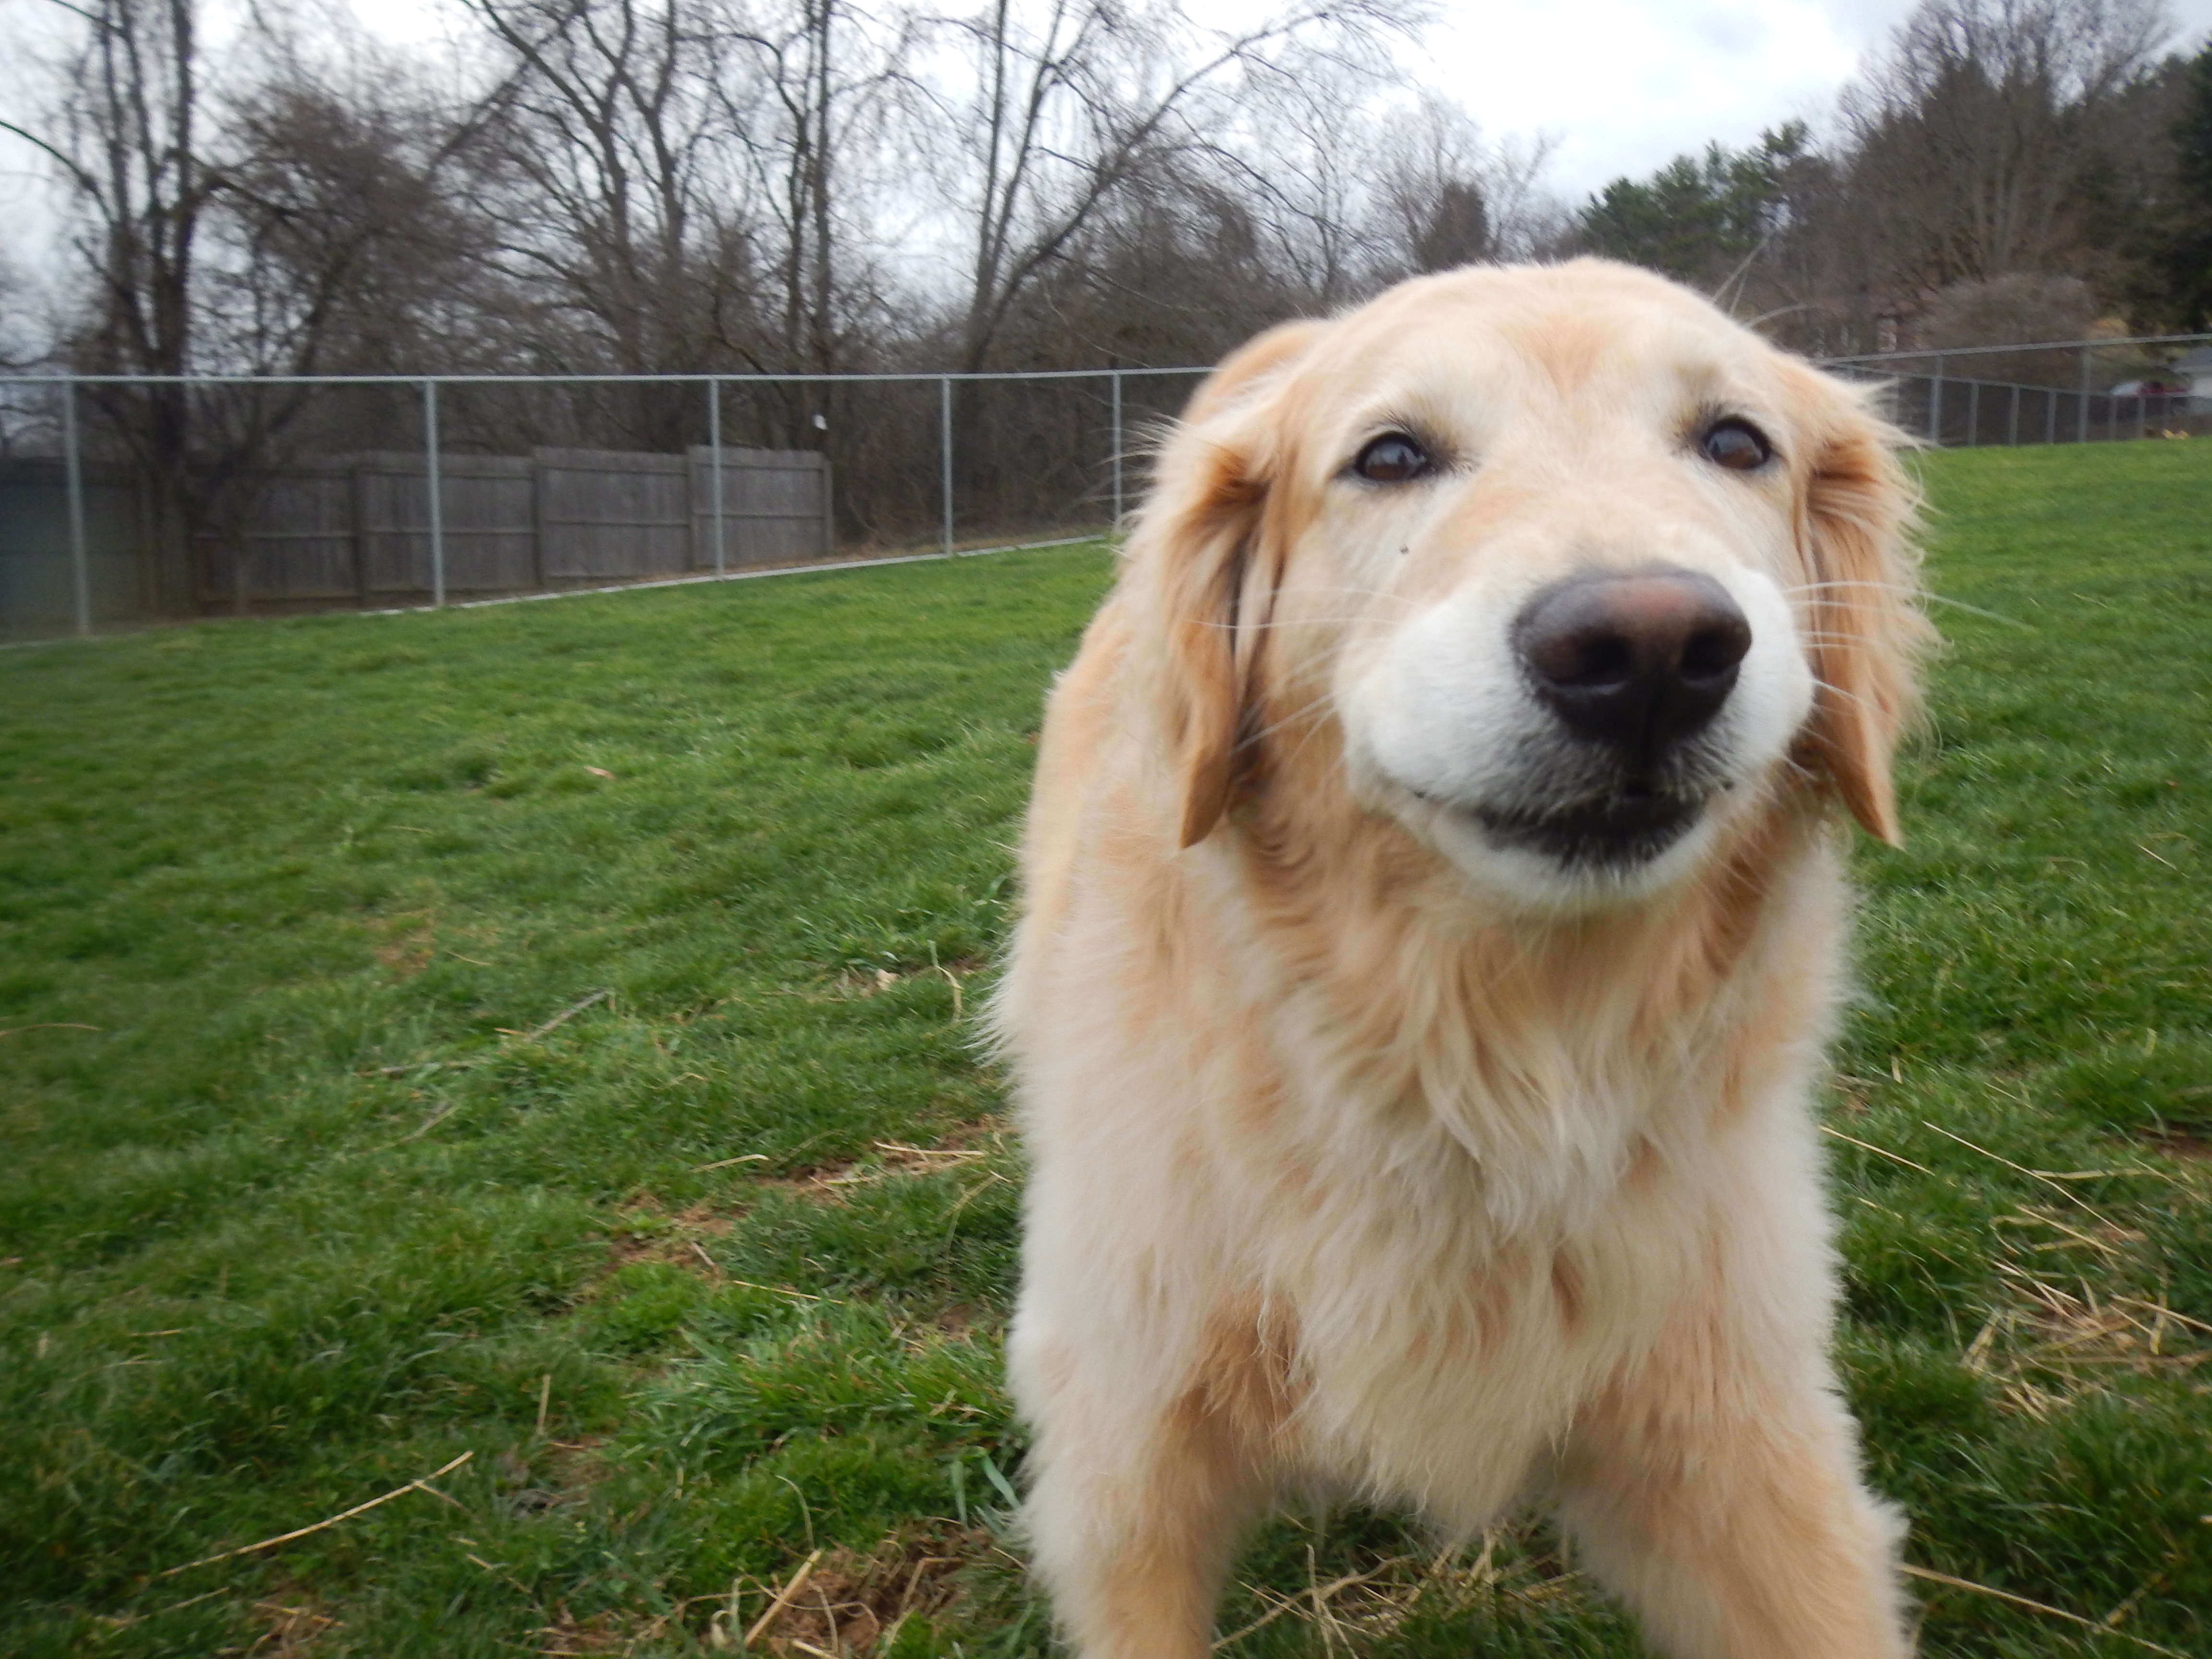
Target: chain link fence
2065, 392
126, 499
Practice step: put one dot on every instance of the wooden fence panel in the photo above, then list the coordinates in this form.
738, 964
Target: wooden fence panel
301, 544
357, 528
775, 506
491, 544
393, 525
611, 516
37, 579
485, 506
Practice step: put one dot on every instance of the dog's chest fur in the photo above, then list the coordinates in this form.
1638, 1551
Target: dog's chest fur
1455, 1181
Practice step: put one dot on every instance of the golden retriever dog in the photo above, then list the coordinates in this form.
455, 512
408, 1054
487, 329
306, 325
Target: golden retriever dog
1433, 923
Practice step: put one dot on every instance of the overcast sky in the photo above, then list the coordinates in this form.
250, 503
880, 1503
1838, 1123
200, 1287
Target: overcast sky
1624, 86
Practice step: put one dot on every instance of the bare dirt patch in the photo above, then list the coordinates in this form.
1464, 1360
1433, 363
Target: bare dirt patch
849, 1603
650, 1233
568, 1637
2190, 1144
294, 1623
407, 945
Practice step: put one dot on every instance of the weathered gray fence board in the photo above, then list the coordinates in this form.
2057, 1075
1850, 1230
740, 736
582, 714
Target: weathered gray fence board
38, 587
607, 515
489, 535
775, 506
354, 529
299, 544
485, 506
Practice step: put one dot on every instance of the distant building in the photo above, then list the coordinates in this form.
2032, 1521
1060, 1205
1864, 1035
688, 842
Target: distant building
2195, 368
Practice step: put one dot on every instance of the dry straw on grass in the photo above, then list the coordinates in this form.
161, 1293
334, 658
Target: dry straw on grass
420, 1483
1371, 1604
2106, 1626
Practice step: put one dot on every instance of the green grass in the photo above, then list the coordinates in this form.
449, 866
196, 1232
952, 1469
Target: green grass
301, 1203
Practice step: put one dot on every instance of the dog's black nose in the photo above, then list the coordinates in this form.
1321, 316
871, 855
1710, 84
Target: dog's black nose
1637, 659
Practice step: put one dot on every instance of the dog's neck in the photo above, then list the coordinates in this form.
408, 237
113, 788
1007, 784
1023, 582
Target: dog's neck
1536, 1042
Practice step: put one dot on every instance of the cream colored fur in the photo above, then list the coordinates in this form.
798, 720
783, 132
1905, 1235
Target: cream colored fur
1369, 1159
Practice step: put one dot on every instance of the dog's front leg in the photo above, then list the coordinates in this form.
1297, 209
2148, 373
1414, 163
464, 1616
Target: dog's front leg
1131, 1517
1730, 1518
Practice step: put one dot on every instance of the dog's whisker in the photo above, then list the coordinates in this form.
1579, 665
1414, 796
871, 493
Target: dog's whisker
1826, 637
1920, 596
1978, 611
1852, 582
1833, 689
1310, 706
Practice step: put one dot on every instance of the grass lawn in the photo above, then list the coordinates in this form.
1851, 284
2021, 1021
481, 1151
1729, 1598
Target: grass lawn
540, 1035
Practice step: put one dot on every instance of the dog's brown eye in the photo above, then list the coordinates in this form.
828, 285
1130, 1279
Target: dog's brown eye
1394, 457
1738, 446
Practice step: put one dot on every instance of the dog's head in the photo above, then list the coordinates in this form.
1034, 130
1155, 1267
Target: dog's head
1565, 571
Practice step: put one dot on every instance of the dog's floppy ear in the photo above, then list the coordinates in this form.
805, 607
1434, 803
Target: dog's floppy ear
1855, 534
1199, 573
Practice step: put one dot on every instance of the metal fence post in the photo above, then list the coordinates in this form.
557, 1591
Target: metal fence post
1117, 449
2012, 428
1935, 405
2081, 434
714, 441
1973, 414
944, 449
434, 492
73, 471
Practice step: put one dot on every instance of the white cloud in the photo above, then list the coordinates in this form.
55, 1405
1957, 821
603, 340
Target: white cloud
1624, 86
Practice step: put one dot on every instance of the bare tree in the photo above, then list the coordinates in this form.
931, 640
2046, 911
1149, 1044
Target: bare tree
807, 96
2017, 309
1312, 158
1975, 137
1449, 197
342, 241
249, 220
1066, 110
1439, 209
786, 100
19, 345
126, 135
600, 143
